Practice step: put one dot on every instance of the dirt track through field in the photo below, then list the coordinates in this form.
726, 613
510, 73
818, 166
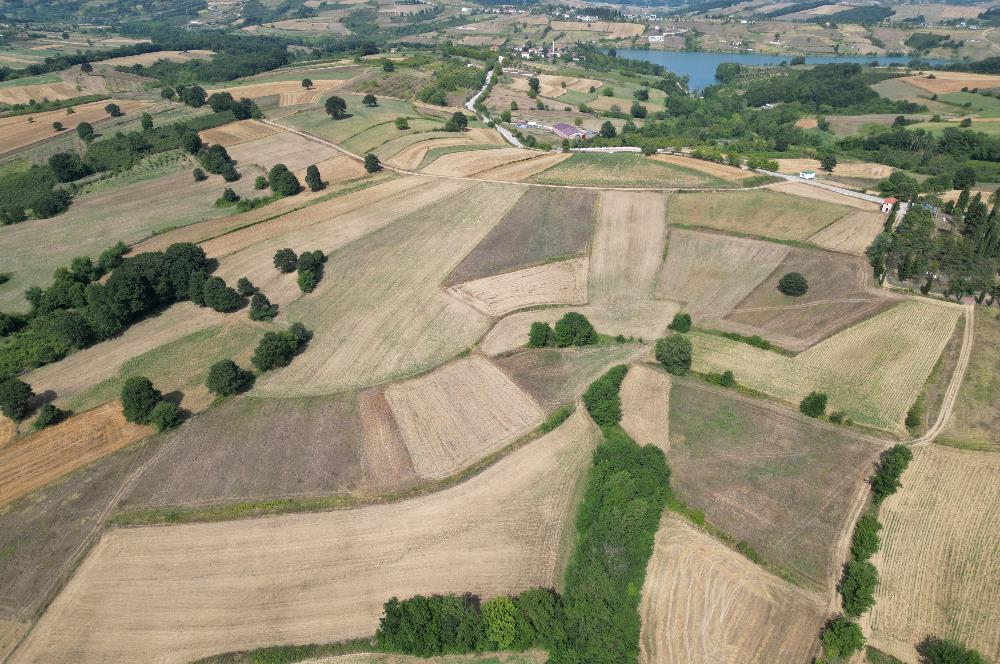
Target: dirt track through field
645, 395
172, 594
703, 603
564, 282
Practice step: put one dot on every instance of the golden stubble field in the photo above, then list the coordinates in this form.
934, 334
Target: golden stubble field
172, 594
21, 130
563, 282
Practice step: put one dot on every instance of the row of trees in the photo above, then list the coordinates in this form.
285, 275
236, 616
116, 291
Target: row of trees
309, 266
573, 329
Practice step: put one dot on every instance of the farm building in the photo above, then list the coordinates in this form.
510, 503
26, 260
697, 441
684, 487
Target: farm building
567, 130
888, 203
807, 175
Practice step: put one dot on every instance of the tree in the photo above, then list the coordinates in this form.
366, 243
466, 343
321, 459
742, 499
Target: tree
165, 415
637, 110
865, 540
283, 181
857, 587
372, 164
793, 284
261, 308
139, 397
195, 96
276, 349
285, 260
48, 414
540, 335
457, 122
877, 253
505, 116
67, 166
369, 100
146, 122
313, 180
943, 651
168, 93
964, 177
225, 377
573, 329
113, 110
15, 398
890, 468
86, 68
336, 107
402, 124
245, 287
499, 615
841, 638
534, 84
199, 175
674, 353
57, 126
828, 162
85, 131
229, 195
307, 83
813, 404
388, 65
219, 296
680, 323
229, 173
608, 130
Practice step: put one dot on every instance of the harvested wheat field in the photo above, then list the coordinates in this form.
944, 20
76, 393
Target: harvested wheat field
385, 462
56, 450
848, 169
564, 282
156, 56
873, 370
238, 132
293, 150
172, 594
937, 567
519, 171
645, 395
952, 81
336, 169
16, 132
527, 657
614, 30
721, 171
10, 634
379, 313
852, 234
411, 156
22, 94
625, 170
289, 93
628, 246
458, 414
703, 603
710, 274
806, 191
554, 86
470, 162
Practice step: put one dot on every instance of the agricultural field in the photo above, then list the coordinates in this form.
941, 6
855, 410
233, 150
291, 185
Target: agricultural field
626, 170
553, 86
279, 581
758, 212
975, 421
238, 132
785, 485
529, 657
287, 93
563, 282
520, 171
873, 370
645, 395
628, 245
937, 566
721, 171
471, 162
19, 131
851, 234
294, 151
948, 81
848, 169
800, 191
703, 602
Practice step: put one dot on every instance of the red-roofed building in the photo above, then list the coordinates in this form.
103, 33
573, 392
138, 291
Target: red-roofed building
887, 204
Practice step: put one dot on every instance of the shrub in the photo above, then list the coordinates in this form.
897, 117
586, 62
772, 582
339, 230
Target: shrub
890, 468
283, 181
500, 622
230, 196
540, 335
841, 638
285, 260
15, 398
573, 329
838, 416
725, 379
402, 124
245, 287
814, 404
199, 175
944, 651
225, 377
369, 100
307, 280
372, 164
915, 415
261, 308
165, 415
674, 353
48, 414
602, 397
865, 541
680, 323
261, 183
139, 397
857, 587
793, 284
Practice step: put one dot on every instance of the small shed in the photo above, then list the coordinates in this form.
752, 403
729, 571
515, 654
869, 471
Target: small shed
887, 204
807, 175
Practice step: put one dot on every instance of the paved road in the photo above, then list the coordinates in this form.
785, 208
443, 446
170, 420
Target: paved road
471, 105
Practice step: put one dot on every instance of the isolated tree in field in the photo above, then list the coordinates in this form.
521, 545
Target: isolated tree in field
890, 468
865, 540
388, 66
230, 196
139, 397
307, 83
680, 323
57, 126
573, 329
15, 398
457, 122
943, 651
276, 349
637, 110
195, 96
814, 404
199, 175
841, 638
85, 131
225, 377
857, 587
86, 68
500, 617
608, 130
336, 107
369, 100
534, 84
402, 124
310, 269
828, 162
372, 164
261, 308
245, 287
793, 284
285, 260
113, 110
313, 180
540, 335
674, 353
283, 181
165, 415
146, 122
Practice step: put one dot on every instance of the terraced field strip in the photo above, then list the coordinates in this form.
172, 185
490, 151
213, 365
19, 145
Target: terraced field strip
703, 603
17, 132
173, 594
47, 455
235, 133
937, 567
519, 171
564, 282
645, 395
470, 162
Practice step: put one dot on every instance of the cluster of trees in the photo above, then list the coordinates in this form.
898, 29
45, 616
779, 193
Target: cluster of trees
451, 76
15, 399
215, 159
573, 329
142, 403
602, 398
824, 88
890, 468
674, 353
276, 349
59, 62
226, 378
309, 266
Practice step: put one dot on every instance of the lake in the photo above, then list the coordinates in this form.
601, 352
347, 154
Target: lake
700, 66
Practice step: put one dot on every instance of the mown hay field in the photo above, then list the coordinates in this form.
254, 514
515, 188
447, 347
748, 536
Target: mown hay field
756, 212
17, 132
467, 163
850, 169
645, 395
785, 485
553, 86
628, 246
22, 94
801, 191
722, 171
59, 449
314, 120
413, 154
851, 234
626, 170
519, 171
238, 132
703, 603
937, 567
975, 420
563, 282
459, 413
289, 93
172, 594
873, 370
294, 151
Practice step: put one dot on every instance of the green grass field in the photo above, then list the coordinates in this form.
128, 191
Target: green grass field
988, 128
975, 422
986, 107
361, 118
30, 80
624, 170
